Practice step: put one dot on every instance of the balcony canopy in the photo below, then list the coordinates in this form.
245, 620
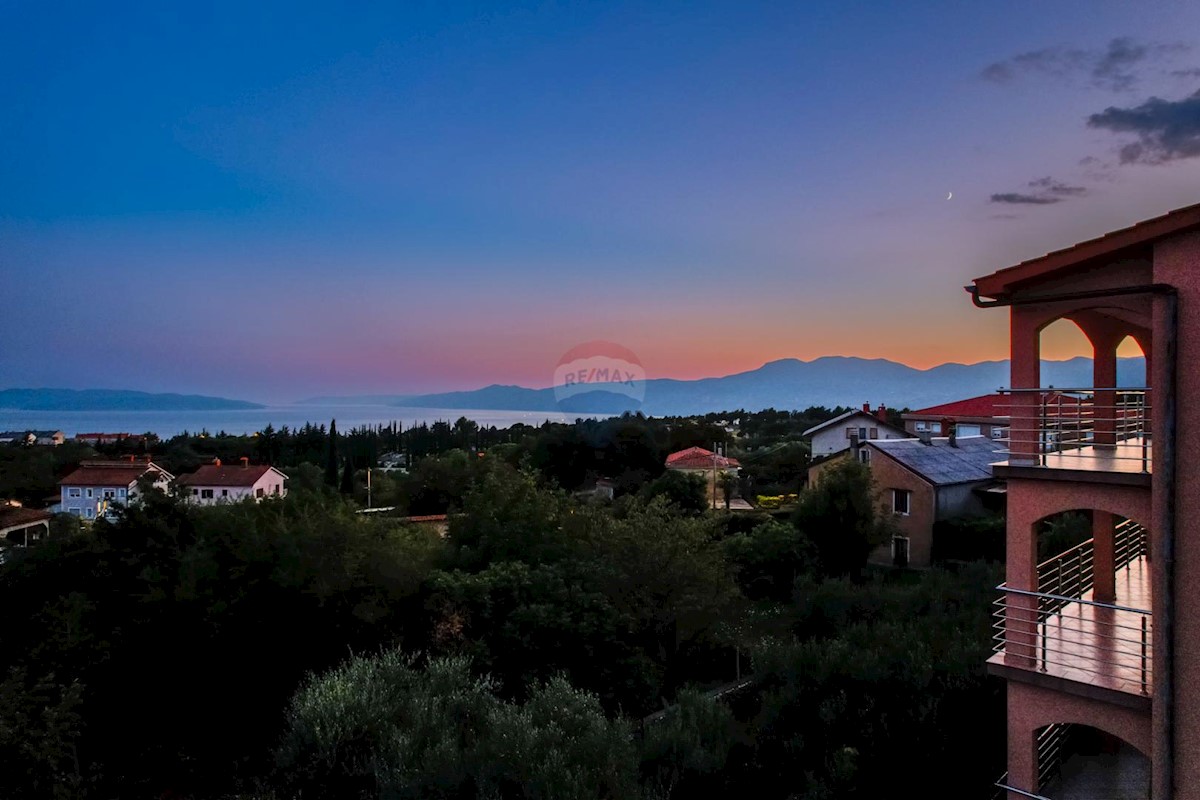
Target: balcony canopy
1127, 244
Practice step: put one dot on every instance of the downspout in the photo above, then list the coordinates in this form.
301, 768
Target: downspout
1167, 485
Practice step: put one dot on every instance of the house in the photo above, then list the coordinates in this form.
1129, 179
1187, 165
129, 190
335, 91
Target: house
94, 487
975, 416
927, 480
989, 415
708, 465
1099, 645
95, 439
393, 461
839, 433
20, 526
227, 483
49, 438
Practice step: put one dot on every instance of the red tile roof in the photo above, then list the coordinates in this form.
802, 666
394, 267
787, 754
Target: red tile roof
12, 516
225, 475
988, 405
991, 406
699, 458
109, 473
1126, 239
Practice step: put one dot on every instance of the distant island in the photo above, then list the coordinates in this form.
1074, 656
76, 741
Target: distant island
114, 400
784, 384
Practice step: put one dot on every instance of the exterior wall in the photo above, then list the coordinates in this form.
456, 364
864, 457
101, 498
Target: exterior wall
918, 524
270, 484
814, 472
833, 439
986, 425
958, 500
1031, 708
79, 506
1177, 262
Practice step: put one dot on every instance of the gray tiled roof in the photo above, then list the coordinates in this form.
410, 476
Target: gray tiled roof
941, 464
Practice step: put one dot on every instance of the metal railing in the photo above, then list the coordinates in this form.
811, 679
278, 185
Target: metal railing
1070, 635
1071, 572
1112, 425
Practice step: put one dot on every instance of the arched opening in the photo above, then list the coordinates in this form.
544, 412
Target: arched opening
1088, 617
1080, 762
1063, 345
1131, 364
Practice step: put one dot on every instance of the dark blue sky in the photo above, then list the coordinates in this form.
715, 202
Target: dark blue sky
298, 198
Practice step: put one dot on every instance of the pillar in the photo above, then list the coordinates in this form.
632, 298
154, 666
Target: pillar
1104, 571
1104, 379
1025, 424
1022, 758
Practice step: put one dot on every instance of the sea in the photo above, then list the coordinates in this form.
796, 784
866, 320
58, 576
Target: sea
244, 421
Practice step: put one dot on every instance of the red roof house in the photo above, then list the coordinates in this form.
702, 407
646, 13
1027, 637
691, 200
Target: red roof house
699, 458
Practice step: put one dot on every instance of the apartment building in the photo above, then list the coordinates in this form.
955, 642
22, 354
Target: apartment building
1100, 644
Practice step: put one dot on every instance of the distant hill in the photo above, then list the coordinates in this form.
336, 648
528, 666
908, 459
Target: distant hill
785, 384
113, 400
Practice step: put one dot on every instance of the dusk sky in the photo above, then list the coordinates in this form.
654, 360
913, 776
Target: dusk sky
269, 201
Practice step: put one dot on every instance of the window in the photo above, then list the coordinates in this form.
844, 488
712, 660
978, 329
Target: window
258, 492
120, 492
967, 430
195, 492
224, 493
276, 491
900, 551
206, 494
89, 512
77, 512
999, 433
864, 455
862, 434
936, 427
89, 493
73, 492
922, 426
901, 501
849, 433
874, 433
108, 494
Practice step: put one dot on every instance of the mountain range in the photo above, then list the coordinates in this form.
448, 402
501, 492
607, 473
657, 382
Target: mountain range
784, 384
113, 400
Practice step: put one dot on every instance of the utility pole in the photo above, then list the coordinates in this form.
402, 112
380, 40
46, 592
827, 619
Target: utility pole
368, 487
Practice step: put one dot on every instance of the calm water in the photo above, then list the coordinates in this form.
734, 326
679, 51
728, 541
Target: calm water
170, 423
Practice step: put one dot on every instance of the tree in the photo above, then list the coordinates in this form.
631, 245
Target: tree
331, 457
347, 487
383, 726
841, 517
684, 490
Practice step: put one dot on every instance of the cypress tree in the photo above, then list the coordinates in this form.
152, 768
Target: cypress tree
331, 460
348, 477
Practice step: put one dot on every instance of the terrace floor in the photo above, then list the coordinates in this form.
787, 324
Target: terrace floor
1097, 646
1124, 462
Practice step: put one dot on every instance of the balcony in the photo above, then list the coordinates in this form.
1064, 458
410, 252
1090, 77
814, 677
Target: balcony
1060, 636
1097, 435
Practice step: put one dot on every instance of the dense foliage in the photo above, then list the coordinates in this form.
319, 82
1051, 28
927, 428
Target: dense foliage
295, 648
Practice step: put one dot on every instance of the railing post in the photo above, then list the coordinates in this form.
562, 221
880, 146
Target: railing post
1144, 654
1045, 636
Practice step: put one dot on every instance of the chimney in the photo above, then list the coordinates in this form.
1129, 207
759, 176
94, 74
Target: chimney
924, 437
866, 408
950, 429
881, 414
216, 462
245, 462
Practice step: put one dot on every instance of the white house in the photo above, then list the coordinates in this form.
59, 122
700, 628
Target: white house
227, 483
95, 486
838, 433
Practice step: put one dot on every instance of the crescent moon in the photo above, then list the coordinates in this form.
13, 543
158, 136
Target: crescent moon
950, 196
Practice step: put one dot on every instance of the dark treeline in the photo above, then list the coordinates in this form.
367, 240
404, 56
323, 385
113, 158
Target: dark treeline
630, 449
294, 648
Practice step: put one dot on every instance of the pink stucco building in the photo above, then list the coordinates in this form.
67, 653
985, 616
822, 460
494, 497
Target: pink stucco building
1099, 644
